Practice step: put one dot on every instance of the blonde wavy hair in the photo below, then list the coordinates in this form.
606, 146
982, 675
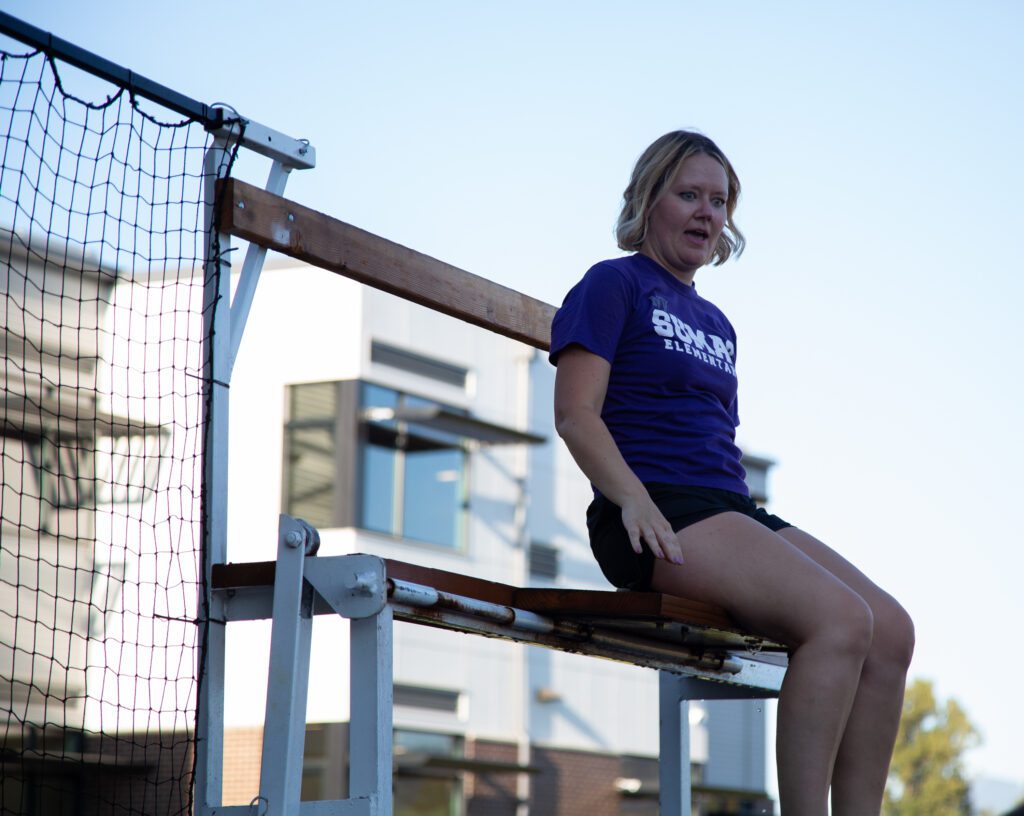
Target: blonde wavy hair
654, 170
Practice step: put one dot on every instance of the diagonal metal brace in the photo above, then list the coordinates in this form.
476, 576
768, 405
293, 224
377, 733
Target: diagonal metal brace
284, 723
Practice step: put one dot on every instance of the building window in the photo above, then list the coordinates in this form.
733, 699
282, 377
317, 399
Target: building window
426, 698
311, 457
427, 780
412, 481
427, 767
543, 560
359, 454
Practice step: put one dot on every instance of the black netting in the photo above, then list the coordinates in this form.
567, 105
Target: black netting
102, 242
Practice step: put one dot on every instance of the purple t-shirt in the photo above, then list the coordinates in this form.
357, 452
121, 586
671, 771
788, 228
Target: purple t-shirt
671, 401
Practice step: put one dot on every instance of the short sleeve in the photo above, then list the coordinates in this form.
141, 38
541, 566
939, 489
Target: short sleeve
734, 406
594, 313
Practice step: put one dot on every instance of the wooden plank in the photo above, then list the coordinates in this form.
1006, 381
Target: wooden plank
563, 602
284, 226
261, 573
598, 603
555, 602
248, 574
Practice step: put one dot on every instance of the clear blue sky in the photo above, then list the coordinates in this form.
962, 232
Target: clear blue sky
877, 305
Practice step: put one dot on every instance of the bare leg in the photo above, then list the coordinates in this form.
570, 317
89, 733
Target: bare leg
862, 763
772, 587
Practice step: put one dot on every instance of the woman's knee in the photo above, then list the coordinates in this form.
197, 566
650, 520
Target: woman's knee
894, 636
848, 625
860, 625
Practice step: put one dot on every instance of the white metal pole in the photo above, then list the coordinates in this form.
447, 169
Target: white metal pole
216, 331
524, 750
674, 798
370, 720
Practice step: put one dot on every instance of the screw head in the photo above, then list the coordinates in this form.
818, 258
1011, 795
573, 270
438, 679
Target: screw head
294, 538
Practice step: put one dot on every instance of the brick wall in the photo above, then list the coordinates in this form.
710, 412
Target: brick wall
568, 783
243, 748
574, 783
490, 794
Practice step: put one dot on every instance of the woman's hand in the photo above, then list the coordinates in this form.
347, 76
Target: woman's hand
580, 386
644, 521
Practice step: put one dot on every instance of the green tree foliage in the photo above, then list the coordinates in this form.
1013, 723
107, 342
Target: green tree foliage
927, 775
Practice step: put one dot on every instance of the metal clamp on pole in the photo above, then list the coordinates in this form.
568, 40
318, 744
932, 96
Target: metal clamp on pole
354, 586
295, 154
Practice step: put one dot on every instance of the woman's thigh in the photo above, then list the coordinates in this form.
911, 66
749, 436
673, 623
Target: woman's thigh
768, 583
836, 564
893, 627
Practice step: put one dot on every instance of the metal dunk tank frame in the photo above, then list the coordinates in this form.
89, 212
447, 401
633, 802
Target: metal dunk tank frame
698, 650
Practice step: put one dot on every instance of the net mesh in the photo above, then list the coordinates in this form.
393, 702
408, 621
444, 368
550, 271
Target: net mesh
102, 241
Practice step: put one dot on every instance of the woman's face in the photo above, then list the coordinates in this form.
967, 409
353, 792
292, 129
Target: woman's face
684, 224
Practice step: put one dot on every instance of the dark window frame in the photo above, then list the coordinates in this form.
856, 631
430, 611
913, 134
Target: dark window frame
415, 363
427, 698
407, 438
350, 434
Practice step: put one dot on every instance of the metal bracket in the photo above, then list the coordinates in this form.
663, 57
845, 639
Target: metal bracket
287, 154
296, 154
355, 586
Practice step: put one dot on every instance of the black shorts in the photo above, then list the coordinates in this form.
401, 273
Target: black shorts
681, 506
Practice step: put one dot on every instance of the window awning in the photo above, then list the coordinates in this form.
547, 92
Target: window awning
452, 422
420, 761
64, 416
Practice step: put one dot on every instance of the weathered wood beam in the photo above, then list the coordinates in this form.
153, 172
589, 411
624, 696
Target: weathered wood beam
558, 602
284, 226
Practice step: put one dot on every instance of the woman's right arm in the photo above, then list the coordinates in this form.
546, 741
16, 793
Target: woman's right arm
581, 383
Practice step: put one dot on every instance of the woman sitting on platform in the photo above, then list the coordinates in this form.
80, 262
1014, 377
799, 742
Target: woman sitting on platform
645, 399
